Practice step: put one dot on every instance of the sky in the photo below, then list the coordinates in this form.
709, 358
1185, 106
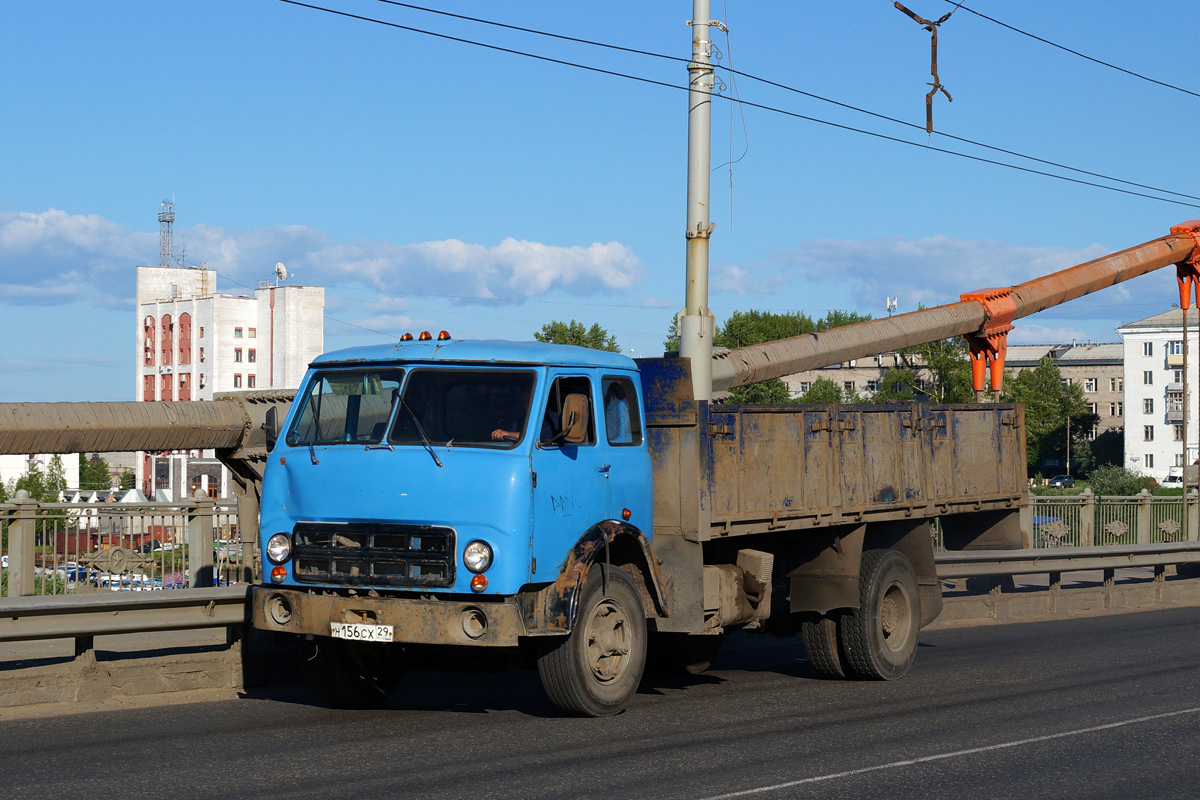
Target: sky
432, 184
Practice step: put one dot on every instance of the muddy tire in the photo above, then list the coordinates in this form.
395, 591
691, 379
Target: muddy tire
593, 671
879, 638
351, 674
821, 644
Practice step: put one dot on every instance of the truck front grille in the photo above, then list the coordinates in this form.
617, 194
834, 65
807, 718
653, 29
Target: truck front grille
374, 554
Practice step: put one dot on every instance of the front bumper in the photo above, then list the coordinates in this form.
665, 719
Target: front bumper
414, 620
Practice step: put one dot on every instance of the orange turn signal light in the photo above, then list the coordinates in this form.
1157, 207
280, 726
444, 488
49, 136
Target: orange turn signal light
479, 583
443, 336
425, 336
278, 574
626, 513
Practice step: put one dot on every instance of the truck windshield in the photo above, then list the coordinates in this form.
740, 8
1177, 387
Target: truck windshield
464, 408
346, 407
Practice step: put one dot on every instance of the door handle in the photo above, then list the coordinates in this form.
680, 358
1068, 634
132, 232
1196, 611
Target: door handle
605, 468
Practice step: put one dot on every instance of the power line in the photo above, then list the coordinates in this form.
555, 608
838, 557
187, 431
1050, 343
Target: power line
1076, 52
760, 106
564, 38
793, 89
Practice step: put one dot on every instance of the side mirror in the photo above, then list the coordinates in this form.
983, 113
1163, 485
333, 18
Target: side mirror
575, 418
271, 427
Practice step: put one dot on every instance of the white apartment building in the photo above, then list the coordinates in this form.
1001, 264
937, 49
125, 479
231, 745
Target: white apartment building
14, 467
1154, 408
193, 343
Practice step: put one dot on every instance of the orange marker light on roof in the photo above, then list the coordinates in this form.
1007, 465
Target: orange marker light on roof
626, 513
425, 336
443, 336
406, 337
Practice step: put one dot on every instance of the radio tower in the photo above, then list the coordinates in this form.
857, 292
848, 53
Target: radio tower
166, 245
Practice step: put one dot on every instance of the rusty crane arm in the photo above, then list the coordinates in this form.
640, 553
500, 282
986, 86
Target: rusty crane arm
984, 315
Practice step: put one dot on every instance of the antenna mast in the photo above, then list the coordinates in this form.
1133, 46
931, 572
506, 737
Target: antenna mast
166, 244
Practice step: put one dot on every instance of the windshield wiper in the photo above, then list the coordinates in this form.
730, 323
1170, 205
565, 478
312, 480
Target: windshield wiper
412, 414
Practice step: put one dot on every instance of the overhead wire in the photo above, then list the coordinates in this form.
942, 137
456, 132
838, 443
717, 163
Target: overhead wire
1066, 49
761, 106
785, 87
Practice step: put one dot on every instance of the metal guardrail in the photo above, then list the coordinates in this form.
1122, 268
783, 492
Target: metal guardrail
61, 549
38, 529
88, 615
978, 563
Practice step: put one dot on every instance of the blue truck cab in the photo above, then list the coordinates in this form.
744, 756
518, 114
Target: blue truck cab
455, 493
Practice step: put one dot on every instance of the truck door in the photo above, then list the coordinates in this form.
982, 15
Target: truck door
571, 486
624, 441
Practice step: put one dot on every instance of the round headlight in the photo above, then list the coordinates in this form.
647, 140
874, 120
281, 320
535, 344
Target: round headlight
279, 548
477, 556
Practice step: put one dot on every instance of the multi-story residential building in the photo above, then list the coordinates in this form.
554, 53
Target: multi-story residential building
193, 343
1098, 369
14, 467
1154, 384
859, 377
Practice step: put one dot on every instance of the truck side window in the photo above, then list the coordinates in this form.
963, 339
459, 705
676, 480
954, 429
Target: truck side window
621, 421
552, 418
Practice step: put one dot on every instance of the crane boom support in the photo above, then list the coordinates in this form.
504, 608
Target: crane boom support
762, 362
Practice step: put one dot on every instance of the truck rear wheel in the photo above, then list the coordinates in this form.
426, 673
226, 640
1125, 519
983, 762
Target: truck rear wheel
879, 638
351, 674
593, 671
821, 644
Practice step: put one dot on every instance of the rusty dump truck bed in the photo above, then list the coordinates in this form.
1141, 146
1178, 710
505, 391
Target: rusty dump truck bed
735, 470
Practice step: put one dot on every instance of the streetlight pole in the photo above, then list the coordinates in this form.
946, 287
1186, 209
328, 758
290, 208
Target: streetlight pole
696, 324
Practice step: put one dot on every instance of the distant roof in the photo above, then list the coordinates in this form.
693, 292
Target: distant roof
481, 351
1166, 319
1066, 354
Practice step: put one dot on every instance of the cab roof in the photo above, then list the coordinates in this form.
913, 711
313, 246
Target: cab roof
479, 351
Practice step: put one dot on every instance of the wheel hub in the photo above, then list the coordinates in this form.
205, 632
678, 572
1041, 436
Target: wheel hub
607, 641
894, 617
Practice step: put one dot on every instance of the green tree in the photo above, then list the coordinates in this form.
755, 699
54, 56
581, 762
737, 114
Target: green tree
94, 473
949, 365
1113, 480
898, 386
595, 337
1049, 403
128, 478
745, 328
822, 392
1108, 449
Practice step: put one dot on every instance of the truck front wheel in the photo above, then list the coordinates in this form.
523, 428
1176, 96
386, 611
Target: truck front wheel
351, 674
879, 638
593, 671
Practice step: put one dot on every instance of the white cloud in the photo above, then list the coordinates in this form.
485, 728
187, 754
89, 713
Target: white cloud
54, 257
1031, 333
933, 270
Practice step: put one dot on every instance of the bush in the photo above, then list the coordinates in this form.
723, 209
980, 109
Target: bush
1112, 480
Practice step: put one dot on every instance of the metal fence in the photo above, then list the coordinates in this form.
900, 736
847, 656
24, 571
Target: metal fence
77, 548
1088, 520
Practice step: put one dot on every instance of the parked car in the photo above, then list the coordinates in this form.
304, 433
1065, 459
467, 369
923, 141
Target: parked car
1062, 482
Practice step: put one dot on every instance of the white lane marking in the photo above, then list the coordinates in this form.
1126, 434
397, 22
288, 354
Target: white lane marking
908, 762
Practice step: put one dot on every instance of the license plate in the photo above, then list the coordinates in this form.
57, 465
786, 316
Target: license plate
357, 632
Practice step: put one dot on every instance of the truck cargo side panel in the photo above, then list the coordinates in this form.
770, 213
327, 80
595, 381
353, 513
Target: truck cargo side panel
787, 467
